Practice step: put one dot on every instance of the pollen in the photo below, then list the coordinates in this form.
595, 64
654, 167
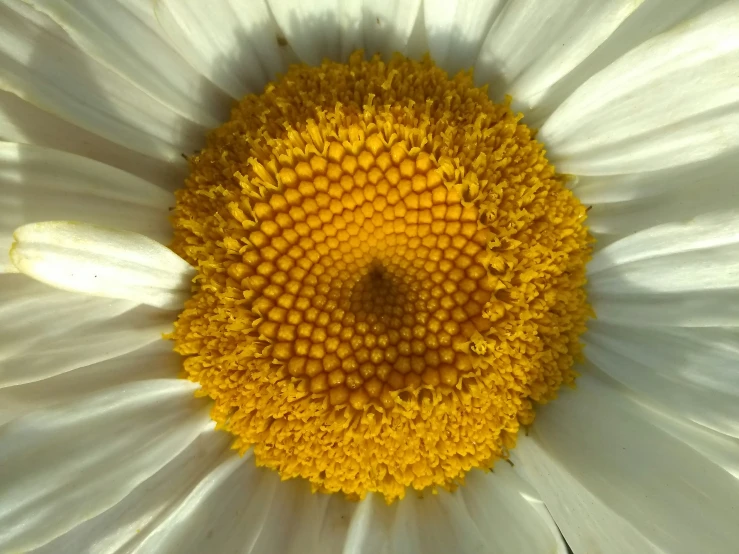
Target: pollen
389, 276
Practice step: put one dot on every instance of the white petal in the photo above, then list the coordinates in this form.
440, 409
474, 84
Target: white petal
456, 29
699, 255
128, 522
718, 410
21, 121
320, 29
369, 526
334, 28
491, 512
242, 508
388, 25
588, 523
719, 448
699, 270
714, 308
230, 507
417, 45
405, 533
679, 194
335, 527
669, 102
532, 45
319, 521
82, 345
705, 232
61, 466
32, 313
707, 358
42, 65
155, 361
650, 18
102, 262
234, 44
40, 184
507, 512
117, 35
660, 488
670, 194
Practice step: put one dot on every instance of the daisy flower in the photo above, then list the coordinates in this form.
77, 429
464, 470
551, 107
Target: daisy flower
369, 276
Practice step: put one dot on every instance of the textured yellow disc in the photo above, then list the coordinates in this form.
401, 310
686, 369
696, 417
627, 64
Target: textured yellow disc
389, 274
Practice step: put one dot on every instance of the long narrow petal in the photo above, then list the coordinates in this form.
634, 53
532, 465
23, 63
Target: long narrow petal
236, 45
41, 184
585, 520
32, 312
456, 30
80, 346
624, 206
322, 29
321, 522
102, 262
389, 25
719, 448
701, 270
668, 102
334, 28
673, 191
21, 121
649, 19
531, 45
246, 508
703, 357
656, 266
613, 478
717, 410
117, 34
88, 455
44, 66
512, 503
678, 274
471, 519
153, 361
660, 309
127, 523
369, 526
708, 231
233, 504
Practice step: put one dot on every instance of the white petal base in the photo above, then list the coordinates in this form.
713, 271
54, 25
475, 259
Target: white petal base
102, 262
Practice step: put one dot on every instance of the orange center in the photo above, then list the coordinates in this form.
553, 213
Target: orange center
389, 273
370, 272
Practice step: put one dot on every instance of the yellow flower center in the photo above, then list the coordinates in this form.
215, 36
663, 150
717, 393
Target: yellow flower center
389, 274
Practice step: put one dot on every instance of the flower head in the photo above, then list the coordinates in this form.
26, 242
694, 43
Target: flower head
376, 286
389, 272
